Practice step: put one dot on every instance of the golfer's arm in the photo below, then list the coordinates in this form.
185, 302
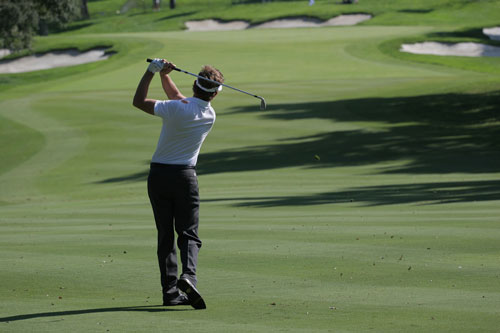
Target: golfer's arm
140, 98
170, 88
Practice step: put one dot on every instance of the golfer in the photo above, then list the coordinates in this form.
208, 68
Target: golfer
172, 181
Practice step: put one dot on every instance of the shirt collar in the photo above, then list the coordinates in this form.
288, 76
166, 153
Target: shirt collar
201, 102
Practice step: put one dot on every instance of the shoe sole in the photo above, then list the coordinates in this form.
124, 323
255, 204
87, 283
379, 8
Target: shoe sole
193, 295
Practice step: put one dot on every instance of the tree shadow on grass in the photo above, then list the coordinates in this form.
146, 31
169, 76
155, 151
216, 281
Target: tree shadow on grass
73, 27
464, 33
146, 308
444, 133
429, 134
135, 177
416, 11
178, 15
420, 194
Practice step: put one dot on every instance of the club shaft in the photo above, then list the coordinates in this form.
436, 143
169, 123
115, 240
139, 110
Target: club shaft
204, 78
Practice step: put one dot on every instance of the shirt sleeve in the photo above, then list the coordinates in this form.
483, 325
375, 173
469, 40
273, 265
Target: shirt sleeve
165, 109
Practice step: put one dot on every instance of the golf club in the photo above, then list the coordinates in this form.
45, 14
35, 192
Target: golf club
262, 100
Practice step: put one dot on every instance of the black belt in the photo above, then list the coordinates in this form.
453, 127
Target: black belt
172, 166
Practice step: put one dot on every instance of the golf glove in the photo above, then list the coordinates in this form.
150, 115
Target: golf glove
156, 65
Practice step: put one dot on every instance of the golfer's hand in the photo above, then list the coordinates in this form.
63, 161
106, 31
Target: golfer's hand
156, 65
167, 68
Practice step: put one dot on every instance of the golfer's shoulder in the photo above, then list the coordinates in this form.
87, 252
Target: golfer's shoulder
173, 103
168, 108
184, 103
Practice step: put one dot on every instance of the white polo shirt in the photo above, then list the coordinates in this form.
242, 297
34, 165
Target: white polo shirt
185, 127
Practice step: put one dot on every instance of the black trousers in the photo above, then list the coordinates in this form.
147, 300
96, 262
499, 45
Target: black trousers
174, 196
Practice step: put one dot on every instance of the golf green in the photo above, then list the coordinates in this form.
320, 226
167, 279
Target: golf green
366, 198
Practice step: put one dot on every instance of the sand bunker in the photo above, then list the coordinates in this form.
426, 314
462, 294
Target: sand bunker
309, 23
459, 49
492, 33
210, 25
51, 60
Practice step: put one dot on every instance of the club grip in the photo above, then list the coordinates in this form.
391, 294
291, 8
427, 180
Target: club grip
175, 68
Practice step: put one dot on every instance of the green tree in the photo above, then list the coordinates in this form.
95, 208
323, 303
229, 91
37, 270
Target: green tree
18, 21
55, 12
21, 19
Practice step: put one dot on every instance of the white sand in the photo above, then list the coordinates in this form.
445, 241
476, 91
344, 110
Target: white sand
459, 49
310, 23
51, 60
492, 33
347, 19
210, 25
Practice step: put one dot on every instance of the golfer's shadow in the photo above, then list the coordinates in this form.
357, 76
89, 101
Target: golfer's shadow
145, 308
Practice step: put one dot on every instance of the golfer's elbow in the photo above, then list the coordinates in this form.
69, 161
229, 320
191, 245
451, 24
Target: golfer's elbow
146, 105
139, 101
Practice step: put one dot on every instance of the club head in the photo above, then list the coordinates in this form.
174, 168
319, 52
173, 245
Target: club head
262, 103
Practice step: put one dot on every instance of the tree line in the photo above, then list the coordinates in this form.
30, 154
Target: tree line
20, 20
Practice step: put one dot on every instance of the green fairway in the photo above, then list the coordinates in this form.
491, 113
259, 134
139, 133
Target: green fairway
366, 198
124, 16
